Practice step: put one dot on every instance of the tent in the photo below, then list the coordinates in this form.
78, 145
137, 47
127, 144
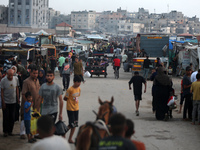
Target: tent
42, 32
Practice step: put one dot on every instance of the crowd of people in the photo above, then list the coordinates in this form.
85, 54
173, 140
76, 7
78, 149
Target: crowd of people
33, 88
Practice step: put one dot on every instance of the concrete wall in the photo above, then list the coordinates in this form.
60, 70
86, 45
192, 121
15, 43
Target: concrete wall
5, 29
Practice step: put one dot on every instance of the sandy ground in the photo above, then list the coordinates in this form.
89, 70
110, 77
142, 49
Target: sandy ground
174, 134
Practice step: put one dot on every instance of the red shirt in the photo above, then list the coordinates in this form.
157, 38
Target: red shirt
116, 62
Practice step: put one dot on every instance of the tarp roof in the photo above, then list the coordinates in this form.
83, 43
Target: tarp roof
93, 36
84, 42
63, 24
42, 32
30, 40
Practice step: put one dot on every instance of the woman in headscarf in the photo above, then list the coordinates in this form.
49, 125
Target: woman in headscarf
41, 77
162, 90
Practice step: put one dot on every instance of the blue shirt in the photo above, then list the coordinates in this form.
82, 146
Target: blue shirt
27, 115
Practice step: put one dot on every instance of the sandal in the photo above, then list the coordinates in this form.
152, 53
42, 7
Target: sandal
31, 141
166, 118
34, 139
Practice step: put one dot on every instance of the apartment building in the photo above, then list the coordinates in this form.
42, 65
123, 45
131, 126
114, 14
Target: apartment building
83, 20
28, 13
3, 14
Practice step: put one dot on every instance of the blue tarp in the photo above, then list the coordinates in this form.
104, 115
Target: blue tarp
30, 40
187, 40
171, 45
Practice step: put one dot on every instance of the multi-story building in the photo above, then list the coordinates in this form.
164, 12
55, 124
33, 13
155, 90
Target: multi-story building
28, 13
83, 20
109, 20
55, 20
3, 14
126, 27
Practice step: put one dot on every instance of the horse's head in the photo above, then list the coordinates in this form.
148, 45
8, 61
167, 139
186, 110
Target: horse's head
105, 110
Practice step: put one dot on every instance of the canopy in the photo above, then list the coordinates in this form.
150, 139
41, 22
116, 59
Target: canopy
42, 32
30, 41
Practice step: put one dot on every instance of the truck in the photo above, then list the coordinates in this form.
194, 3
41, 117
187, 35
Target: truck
155, 45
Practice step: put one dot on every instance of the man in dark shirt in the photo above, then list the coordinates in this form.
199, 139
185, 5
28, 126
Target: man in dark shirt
146, 66
187, 95
117, 140
137, 81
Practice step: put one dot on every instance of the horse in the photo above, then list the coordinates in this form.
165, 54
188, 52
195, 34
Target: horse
91, 133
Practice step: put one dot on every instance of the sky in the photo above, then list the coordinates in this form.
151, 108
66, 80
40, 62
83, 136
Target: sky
189, 8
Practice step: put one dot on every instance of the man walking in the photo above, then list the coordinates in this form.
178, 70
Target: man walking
9, 94
66, 71
78, 69
195, 88
137, 81
31, 84
61, 60
50, 92
146, 67
187, 95
8, 63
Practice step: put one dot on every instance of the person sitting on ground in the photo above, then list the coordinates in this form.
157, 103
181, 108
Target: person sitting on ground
46, 129
130, 131
116, 141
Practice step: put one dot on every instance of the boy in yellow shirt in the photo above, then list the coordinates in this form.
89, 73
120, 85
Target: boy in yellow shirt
71, 96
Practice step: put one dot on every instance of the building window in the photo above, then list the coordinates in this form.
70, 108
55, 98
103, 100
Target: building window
27, 21
122, 26
19, 2
27, 2
128, 27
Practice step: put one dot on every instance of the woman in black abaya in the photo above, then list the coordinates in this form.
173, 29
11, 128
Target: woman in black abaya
162, 85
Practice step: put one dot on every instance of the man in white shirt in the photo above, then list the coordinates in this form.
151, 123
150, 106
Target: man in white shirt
193, 76
46, 129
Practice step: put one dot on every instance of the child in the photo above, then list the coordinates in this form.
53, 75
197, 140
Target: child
170, 71
27, 116
71, 96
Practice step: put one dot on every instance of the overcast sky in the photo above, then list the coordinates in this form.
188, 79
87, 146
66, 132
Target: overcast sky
189, 8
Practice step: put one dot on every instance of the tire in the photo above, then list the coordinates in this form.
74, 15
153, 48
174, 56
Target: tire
91, 76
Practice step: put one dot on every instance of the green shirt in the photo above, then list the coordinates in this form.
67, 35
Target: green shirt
61, 60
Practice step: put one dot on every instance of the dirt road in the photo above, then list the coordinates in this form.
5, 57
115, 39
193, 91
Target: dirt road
174, 134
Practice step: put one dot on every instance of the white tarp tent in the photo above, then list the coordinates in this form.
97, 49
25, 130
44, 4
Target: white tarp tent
42, 32
189, 55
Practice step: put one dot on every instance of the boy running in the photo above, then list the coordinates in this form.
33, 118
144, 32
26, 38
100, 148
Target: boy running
71, 96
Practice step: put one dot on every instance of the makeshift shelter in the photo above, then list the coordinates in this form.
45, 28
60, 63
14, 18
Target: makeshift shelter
31, 41
189, 55
42, 32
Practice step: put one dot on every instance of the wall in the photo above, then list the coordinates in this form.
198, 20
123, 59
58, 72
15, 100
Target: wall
5, 29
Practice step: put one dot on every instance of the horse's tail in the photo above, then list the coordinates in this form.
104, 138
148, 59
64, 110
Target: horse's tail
84, 138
